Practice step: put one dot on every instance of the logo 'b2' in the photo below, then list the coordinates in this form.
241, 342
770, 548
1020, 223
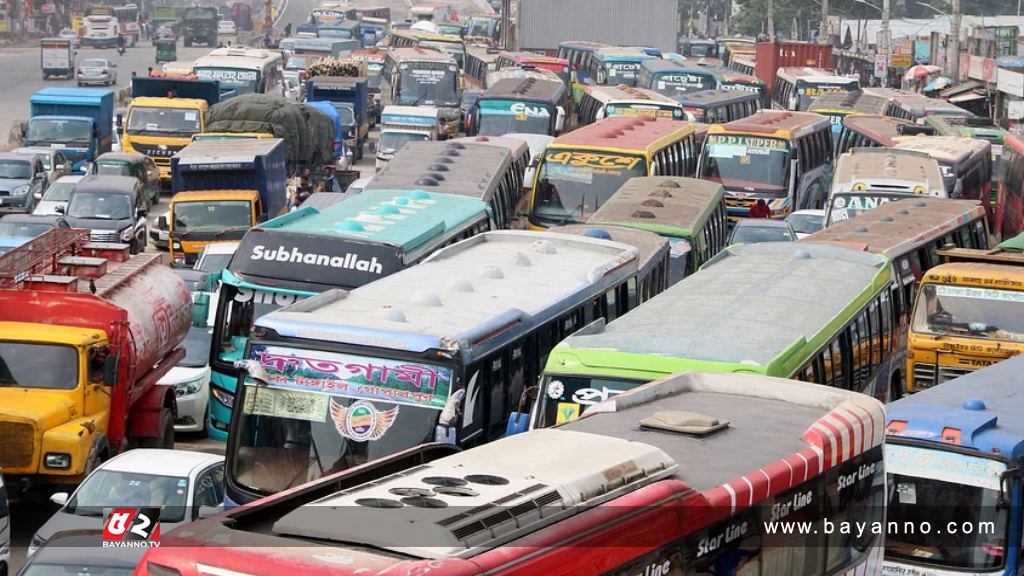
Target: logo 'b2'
132, 524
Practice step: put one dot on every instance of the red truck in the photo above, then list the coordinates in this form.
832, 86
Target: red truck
774, 55
86, 331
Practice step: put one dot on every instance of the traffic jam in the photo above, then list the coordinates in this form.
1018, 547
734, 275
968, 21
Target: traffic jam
422, 290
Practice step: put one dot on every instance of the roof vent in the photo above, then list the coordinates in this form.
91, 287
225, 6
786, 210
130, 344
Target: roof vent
904, 212
419, 195
669, 184
599, 233
424, 298
885, 218
520, 259
405, 492
482, 139
457, 145
861, 229
393, 314
651, 203
351, 226
452, 153
400, 200
975, 405
643, 214
487, 479
435, 176
920, 204
388, 209
459, 284
379, 503
683, 422
801, 255
447, 481
544, 247
438, 168
490, 271
443, 160
427, 182
424, 502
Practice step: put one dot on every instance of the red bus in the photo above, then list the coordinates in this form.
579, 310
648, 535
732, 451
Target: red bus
635, 486
559, 66
1009, 217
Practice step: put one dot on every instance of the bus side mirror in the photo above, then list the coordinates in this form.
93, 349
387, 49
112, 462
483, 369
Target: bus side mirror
560, 120
518, 422
110, 371
161, 222
201, 306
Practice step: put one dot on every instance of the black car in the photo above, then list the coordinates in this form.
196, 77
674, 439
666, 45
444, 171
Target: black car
111, 207
30, 225
81, 553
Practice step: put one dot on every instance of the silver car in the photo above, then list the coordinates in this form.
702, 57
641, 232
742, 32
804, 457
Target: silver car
96, 71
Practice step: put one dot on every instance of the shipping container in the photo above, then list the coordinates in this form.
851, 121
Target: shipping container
774, 55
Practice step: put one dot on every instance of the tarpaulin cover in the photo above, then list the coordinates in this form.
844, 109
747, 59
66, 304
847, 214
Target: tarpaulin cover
308, 134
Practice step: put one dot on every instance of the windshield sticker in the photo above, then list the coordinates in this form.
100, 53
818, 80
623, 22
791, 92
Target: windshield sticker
362, 421
591, 160
979, 293
428, 76
520, 110
748, 141
228, 75
263, 401
941, 465
642, 111
907, 493
190, 116
839, 214
556, 389
567, 412
591, 396
819, 90
358, 377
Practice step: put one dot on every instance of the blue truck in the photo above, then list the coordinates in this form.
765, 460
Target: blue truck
350, 96
221, 189
80, 121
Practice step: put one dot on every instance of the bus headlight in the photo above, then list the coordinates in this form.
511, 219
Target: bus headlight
224, 397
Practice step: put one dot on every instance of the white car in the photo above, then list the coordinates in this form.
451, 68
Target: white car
57, 195
191, 381
185, 486
226, 27
806, 222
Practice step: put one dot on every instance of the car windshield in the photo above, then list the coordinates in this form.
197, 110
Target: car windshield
112, 489
49, 130
15, 169
59, 191
23, 229
94, 63
100, 206
305, 425
753, 234
211, 215
345, 115
45, 366
565, 398
391, 142
747, 163
434, 84
197, 347
806, 223
948, 309
211, 263
113, 169
153, 120
573, 185
499, 117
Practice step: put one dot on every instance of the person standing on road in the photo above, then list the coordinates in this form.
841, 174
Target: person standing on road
760, 209
288, 30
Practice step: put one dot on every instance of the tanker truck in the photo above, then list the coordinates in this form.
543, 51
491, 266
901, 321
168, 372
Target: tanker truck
86, 332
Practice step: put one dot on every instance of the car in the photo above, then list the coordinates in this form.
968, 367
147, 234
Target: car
226, 27
55, 162
191, 381
165, 33
56, 195
806, 222
21, 178
160, 236
96, 71
69, 34
185, 485
30, 225
756, 230
81, 552
135, 165
111, 208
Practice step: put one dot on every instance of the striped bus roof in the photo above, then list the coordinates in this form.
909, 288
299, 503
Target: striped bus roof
881, 129
850, 102
666, 205
777, 123
623, 133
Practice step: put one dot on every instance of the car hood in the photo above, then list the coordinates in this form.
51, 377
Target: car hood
48, 206
8, 184
62, 521
92, 224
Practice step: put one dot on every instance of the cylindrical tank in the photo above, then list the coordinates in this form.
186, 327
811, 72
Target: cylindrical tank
159, 309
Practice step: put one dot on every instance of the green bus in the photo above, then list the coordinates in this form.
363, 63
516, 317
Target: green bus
814, 312
972, 127
691, 213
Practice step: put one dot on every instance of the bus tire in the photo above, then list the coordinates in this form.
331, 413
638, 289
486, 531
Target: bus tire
895, 386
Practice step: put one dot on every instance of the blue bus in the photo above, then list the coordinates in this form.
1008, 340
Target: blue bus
440, 352
675, 79
578, 53
308, 251
953, 456
612, 65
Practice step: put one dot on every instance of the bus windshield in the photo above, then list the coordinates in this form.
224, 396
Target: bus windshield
614, 73
430, 83
634, 110
846, 205
499, 117
572, 185
161, 121
951, 310
808, 91
238, 310
672, 84
243, 81
324, 412
565, 398
750, 163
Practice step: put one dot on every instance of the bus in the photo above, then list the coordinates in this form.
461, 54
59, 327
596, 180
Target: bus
613, 65
245, 70
744, 65
910, 233
867, 131
439, 352
528, 60
729, 79
128, 18
600, 102
728, 49
342, 29
673, 80
480, 62
646, 498
973, 127
421, 76
719, 106
916, 107
698, 48
582, 169
796, 88
839, 105
866, 178
775, 309
966, 165
653, 257
781, 157
526, 105
454, 167
1010, 199
444, 43
691, 213
367, 236
967, 314
483, 28
578, 53
950, 456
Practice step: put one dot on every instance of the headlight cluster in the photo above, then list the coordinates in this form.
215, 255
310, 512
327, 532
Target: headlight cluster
186, 388
57, 460
126, 234
224, 397
21, 190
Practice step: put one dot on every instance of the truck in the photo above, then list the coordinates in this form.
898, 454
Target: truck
774, 55
221, 189
400, 125
165, 16
57, 57
199, 24
350, 96
79, 121
164, 114
86, 333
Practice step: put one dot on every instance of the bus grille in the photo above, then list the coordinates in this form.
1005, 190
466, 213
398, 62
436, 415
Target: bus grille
924, 374
16, 444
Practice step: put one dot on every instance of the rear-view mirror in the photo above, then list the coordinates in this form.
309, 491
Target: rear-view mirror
110, 371
59, 498
518, 422
161, 222
208, 511
141, 212
59, 209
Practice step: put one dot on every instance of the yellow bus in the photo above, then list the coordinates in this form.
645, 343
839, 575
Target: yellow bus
780, 157
967, 315
580, 170
839, 105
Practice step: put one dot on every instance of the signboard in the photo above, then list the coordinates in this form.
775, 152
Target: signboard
979, 68
881, 66
922, 50
900, 61
1010, 82
1015, 110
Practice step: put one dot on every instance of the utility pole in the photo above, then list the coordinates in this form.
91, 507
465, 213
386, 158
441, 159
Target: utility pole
506, 24
771, 20
823, 31
954, 41
886, 40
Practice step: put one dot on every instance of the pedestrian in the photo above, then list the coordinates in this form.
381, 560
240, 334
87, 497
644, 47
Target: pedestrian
149, 72
266, 41
760, 209
288, 30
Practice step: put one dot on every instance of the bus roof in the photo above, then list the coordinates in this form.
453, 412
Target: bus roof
519, 148
981, 405
624, 133
464, 169
968, 127
648, 244
895, 227
876, 165
711, 97
581, 44
531, 89
600, 458
856, 101
816, 75
622, 92
661, 65
469, 297
417, 53
528, 57
881, 129
621, 54
949, 149
254, 57
667, 205
775, 123
759, 304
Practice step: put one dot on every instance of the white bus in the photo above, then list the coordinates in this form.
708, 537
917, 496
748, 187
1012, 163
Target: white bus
796, 88
245, 70
101, 31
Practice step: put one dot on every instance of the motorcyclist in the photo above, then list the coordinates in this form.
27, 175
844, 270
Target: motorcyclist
120, 44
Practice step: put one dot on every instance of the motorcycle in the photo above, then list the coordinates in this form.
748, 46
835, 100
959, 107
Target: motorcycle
120, 50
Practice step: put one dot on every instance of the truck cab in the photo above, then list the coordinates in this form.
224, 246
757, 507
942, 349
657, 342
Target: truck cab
200, 218
403, 124
79, 121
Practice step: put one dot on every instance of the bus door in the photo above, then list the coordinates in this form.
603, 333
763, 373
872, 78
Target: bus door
811, 174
